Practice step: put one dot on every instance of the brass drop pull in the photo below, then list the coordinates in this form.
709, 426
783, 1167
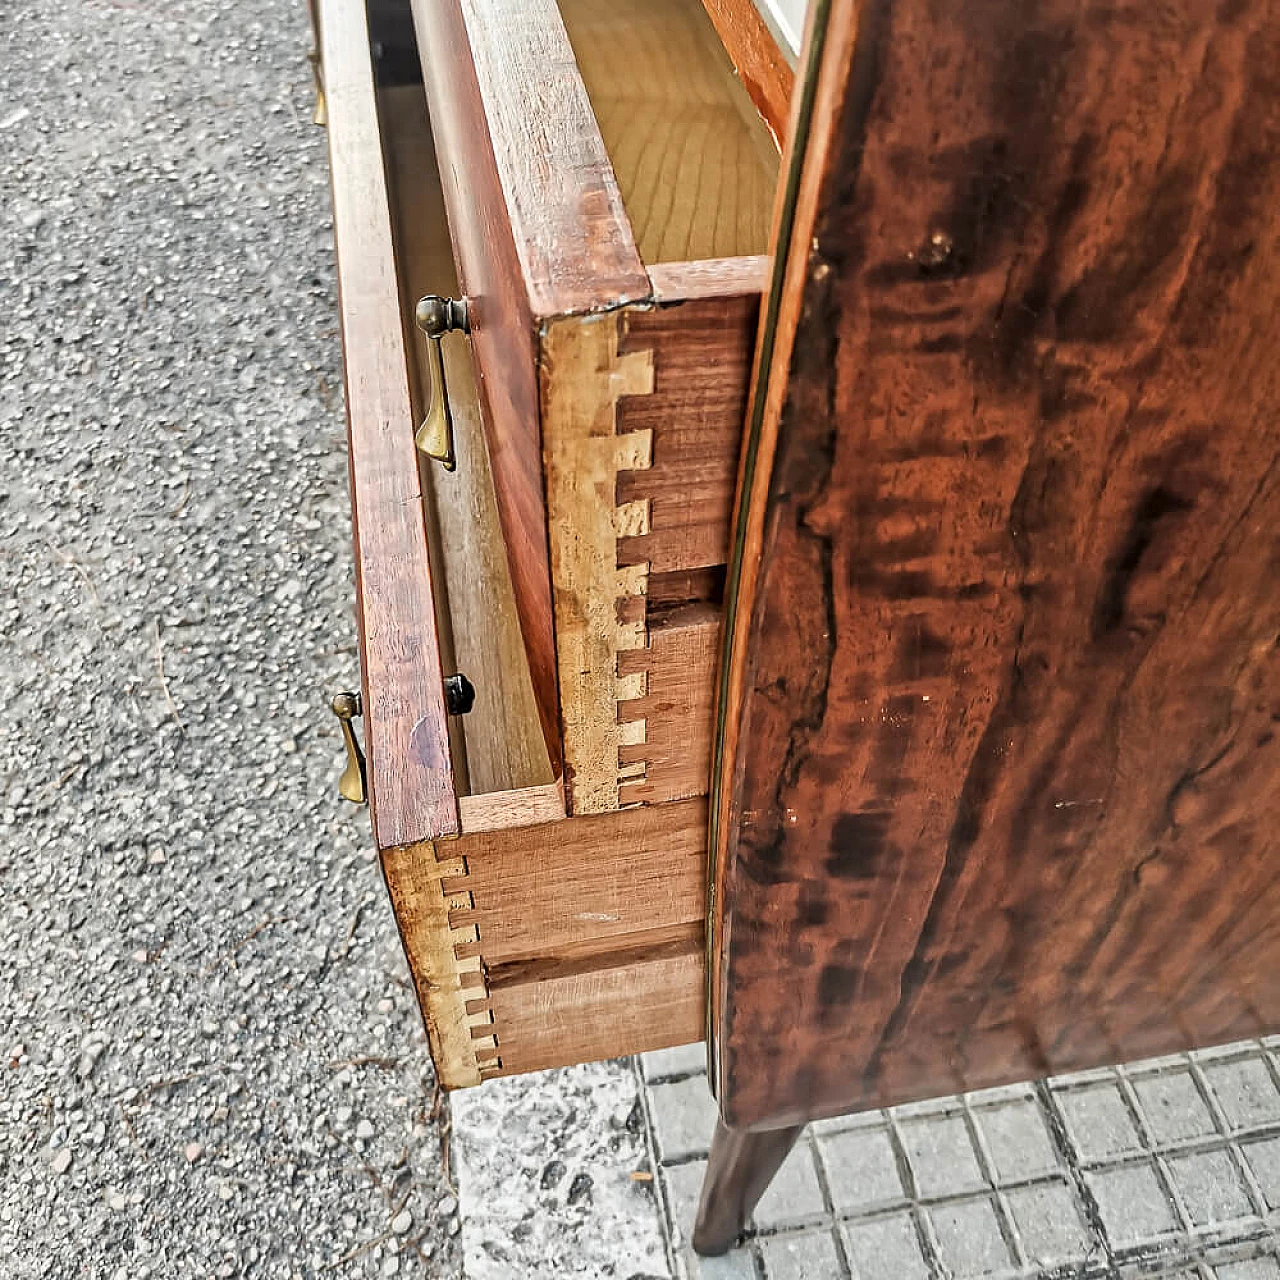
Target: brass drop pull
437, 316
321, 115
351, 786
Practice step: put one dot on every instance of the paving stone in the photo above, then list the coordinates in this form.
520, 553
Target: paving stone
861, 1170
1264, 1268
969, 1238
1017, 1140
684, 1185
808, 1256
885, 1249
1049, 1223
795, 1195
1099, 1122
1173, 1108
684, 1115
545, 1192
941, 1155
737, 1264
1245, 1091
683, 1060
1210, 1187
1264, 1159
999, 1094
838, 1124
1132, 1204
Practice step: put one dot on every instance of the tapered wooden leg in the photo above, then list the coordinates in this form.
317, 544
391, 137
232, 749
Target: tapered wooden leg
741, 1165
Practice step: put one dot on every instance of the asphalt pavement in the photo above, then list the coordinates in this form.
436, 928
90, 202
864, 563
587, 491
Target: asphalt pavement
211, 1063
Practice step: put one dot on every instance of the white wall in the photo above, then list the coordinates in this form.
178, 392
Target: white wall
786, 20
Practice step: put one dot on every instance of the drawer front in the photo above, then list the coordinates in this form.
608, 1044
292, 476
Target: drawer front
410, 763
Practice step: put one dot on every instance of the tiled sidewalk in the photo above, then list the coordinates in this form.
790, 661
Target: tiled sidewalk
1169, 1167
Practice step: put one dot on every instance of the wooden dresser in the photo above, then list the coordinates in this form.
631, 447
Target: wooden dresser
597, 181
996, 762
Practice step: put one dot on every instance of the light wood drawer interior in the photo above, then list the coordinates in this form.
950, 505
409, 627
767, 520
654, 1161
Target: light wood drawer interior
498, 746
696, 165
609, 185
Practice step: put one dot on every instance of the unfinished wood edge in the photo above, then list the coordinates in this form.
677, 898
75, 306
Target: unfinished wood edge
676, 282
678, 670
583, 376
449, 978
638, 1006
500, 810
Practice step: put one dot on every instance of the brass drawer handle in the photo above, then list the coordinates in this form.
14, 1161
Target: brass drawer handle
437, 316
351, 786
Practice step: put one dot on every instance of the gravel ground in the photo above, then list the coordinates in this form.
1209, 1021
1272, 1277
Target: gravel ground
211, 1060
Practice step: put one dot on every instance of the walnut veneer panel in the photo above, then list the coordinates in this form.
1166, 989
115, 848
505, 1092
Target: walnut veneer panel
1002, 740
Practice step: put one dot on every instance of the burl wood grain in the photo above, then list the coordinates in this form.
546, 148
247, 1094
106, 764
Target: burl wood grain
410, 769
1006, 791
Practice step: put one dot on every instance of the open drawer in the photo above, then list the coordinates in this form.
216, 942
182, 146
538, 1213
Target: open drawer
609, 184
536, 937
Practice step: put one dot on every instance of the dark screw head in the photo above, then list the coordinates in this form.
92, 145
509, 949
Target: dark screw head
459, 695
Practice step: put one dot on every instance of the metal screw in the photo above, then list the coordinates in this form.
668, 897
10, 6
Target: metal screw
459, 695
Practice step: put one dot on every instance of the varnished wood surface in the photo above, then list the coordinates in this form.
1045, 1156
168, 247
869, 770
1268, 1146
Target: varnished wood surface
695, 163
1006, 784
503, 742
763, 66
405, 725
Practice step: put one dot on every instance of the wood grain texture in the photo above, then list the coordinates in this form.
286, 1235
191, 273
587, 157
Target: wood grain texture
636, 1008
503, 744
695, 163
709, 278
763, 67
413, 875
515, 123
558, 943
1006, 783
503, 328
679, 669
702, 352
583, 376
410, 771
499, 810
585, 883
